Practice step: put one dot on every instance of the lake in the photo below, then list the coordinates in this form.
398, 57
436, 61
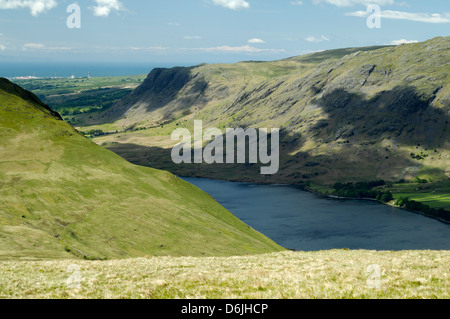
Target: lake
296, 219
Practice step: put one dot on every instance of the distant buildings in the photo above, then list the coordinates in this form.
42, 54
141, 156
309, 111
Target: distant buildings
32, 77
26, 78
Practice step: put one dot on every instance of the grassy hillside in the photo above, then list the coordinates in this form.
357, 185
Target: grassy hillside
302, 275
62, 195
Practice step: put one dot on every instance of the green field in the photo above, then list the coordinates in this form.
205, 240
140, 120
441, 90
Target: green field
434, 195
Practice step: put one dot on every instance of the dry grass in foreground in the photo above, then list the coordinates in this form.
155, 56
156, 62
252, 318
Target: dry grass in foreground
293, 275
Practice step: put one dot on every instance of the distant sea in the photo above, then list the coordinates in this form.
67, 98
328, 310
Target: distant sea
45, 70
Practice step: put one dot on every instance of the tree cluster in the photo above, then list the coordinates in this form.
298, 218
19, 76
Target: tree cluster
363, 190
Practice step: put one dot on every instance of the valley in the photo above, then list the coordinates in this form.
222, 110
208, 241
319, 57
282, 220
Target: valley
100, 195
224, 158
347, 115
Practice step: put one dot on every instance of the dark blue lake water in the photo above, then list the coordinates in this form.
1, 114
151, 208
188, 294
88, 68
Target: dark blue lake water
300, 220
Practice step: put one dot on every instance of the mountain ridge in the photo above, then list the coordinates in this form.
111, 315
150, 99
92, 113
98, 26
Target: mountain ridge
356, 117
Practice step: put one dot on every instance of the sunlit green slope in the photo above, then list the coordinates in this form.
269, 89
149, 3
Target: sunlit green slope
62, 195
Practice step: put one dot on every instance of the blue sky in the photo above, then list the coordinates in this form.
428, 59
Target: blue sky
195, 31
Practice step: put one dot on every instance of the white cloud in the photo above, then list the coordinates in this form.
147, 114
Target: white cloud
360, 14
256, 41
351, 3
36, 6
399, 15
192, 37
33, 46
419, 17
174, 24
104, 7
40, 46
242, 49
403, 41
317, 40
149, 49
309, 51
2, 48
232, 4
297, 3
